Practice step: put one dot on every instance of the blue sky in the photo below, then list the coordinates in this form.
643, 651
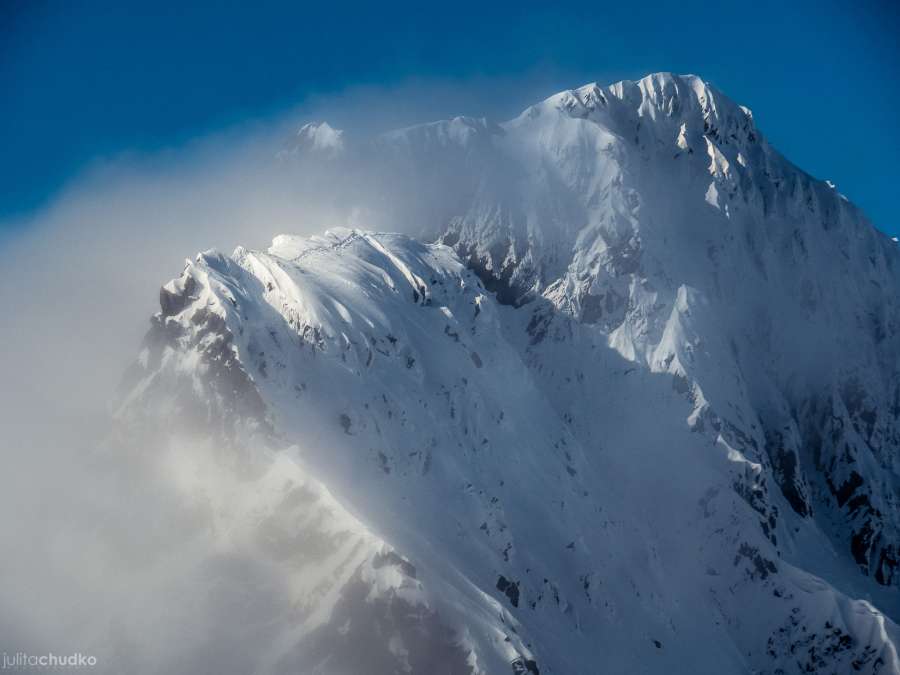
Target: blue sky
88, 80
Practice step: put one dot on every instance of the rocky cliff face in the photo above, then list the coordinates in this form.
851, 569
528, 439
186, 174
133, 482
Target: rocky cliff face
635, 408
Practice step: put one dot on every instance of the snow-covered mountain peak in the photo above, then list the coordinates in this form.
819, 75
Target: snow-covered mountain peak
626, 390
458, 132
660, 98
319, 138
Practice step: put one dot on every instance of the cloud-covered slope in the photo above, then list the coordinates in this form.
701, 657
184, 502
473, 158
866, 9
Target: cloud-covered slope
634, 412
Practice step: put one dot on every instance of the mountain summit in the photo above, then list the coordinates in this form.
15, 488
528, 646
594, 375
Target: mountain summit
623, 398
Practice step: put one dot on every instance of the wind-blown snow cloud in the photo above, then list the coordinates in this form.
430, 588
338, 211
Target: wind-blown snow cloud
89, 540
86, 537
177, 554
81, 275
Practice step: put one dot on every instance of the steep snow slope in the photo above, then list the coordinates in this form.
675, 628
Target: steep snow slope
636, 413
445, 422
657, 212
701, 252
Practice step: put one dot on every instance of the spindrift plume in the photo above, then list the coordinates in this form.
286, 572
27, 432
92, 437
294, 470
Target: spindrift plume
625, 400
611, 386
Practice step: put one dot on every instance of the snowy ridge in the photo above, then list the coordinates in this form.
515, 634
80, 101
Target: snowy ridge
635, 411
319, 138
627, 198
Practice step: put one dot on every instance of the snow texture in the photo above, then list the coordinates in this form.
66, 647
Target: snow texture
634, 408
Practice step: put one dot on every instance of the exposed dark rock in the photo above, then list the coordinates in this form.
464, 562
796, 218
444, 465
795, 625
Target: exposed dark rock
787, 475
345, 422
762, 567
522, 666
391, 558
510, 589
171, 303
847, 489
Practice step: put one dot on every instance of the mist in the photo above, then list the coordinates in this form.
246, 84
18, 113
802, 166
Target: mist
107, 548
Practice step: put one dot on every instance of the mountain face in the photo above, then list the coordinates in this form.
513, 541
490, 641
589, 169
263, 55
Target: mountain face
625, 398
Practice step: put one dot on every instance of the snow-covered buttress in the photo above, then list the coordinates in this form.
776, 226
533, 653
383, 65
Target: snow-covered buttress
624, 398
